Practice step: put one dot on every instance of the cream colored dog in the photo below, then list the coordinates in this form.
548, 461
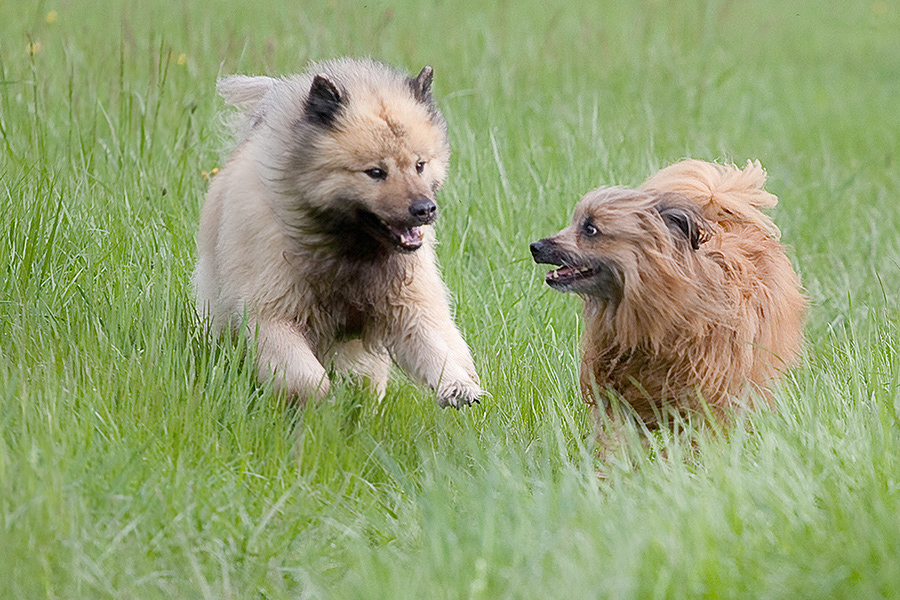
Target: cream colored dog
318, 235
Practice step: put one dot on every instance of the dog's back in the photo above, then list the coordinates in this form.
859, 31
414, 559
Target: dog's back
768, 307
724, 193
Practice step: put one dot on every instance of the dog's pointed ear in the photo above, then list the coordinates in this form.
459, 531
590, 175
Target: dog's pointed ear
324, 101
686, 222
421, 85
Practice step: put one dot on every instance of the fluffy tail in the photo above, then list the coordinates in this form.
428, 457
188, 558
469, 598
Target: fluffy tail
244, 91
725, 193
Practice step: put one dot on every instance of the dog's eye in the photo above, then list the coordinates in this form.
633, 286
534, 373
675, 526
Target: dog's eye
590, 230
420, 166
376, 173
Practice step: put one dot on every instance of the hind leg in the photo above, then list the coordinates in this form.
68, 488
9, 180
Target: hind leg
353, 358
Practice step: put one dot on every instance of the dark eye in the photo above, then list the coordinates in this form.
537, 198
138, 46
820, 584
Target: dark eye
420, 166
590, 230
376, 173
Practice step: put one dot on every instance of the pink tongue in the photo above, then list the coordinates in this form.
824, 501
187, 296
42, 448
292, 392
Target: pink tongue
411, 237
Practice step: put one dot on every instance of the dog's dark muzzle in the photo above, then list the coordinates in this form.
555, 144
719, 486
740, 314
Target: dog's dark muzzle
545, 252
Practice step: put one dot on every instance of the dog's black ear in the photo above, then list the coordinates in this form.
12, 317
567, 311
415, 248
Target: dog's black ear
686, 222
324, 101
421, 85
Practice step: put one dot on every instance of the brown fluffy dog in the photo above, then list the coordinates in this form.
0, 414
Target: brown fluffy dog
317, 234
689, 297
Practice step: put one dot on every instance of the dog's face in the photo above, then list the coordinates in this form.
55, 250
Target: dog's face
615, 237
378, 156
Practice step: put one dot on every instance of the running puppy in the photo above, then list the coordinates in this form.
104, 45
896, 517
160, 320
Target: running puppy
688, 294
318, 232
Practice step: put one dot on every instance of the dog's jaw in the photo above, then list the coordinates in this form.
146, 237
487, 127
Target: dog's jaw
405, 239
599, 280
591, 278
567, 275
402, 237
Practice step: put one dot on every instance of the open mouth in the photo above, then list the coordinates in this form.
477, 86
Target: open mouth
600, 280
408, 240
565, 276
405, 239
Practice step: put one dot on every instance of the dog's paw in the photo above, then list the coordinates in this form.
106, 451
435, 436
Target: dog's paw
460, 393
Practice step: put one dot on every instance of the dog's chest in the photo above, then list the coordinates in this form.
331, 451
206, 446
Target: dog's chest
351, 300
353, 322
345, 318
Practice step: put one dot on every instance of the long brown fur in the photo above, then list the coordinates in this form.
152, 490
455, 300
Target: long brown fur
317, 234
690, 301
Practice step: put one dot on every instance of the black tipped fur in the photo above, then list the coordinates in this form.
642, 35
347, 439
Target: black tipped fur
324, 101
421, 85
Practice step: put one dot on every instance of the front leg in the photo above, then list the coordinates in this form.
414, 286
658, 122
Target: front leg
425, 353
424, 342
285, 356
609, 422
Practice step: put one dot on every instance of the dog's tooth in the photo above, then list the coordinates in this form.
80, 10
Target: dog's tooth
411, 237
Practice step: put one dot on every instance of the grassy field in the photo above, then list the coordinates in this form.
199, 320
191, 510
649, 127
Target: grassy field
139, 459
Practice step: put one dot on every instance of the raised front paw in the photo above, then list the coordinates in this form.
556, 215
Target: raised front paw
459, 393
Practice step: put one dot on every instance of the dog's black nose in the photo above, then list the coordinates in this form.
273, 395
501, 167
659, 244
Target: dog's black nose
424, 210
537, 249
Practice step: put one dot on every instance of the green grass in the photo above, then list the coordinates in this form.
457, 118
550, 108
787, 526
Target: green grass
139, 459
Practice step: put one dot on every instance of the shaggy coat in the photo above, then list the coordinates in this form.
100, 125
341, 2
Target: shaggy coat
317, 233
689, 298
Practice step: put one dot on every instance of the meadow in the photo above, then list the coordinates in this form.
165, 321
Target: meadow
139, 458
